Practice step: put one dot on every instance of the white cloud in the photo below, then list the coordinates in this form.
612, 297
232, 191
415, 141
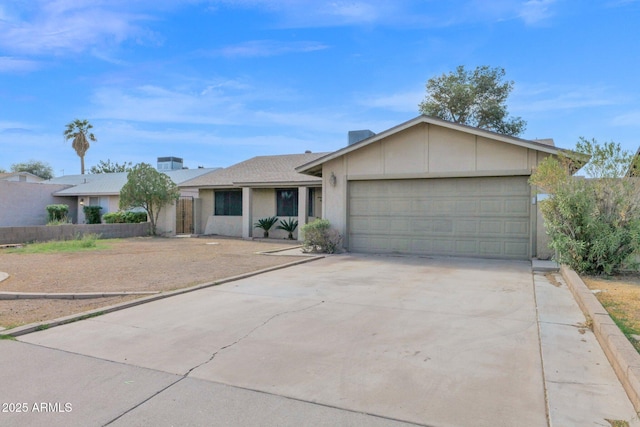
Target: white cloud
540, 98
67, 27
10, 64
631, 118
402, 101
263, 48
536, 11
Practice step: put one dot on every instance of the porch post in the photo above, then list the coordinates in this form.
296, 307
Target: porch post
247, 212
303, 210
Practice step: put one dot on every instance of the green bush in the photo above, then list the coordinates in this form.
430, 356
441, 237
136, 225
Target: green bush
57, 213
92, 214
320, 237
121, 217
593, 224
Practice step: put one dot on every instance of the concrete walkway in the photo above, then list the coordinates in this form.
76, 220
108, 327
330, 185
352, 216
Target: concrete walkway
347, 340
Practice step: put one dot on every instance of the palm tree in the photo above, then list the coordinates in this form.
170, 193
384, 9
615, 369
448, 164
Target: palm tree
78, 130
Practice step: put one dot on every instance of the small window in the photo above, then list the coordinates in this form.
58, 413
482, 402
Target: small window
94, 201
287, 202
228, 203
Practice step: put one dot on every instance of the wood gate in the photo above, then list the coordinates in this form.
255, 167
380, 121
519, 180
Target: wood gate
184, 215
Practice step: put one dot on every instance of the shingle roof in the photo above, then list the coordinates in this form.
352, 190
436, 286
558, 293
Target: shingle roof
112, 183
261, 170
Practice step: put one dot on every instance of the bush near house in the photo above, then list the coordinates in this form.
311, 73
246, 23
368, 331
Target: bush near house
122, 217
320, 237
92, 214
265, 224
594, 222
57, 213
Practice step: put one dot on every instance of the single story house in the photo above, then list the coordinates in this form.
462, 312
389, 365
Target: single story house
104, 190
232, 199
433, 187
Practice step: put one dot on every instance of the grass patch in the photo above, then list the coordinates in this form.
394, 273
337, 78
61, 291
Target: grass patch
7, 337
620, 296
80, 243
43, 327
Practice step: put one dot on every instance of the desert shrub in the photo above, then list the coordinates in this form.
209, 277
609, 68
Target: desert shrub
265, 224
88, 240
593, 223
57, 213
92, 214
320, 237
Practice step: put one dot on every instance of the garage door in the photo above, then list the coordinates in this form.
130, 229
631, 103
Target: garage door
475, 217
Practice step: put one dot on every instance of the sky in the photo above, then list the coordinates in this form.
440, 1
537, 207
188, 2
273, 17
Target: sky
216, 82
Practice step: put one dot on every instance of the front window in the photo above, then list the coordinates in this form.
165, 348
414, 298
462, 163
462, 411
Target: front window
312, 203
228, 203
287, 202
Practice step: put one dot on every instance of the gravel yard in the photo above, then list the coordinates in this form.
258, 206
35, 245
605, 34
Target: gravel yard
136, 264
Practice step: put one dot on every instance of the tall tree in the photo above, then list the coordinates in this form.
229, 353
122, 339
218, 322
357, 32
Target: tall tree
79, 131
36, 167
475, 98
148, 189
110, 167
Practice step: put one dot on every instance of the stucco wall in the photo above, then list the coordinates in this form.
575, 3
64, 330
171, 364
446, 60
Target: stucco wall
427, 151
24, 203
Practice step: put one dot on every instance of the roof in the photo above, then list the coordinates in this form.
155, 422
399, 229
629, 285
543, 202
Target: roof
107, 184
265, 171
314, 167
6, 175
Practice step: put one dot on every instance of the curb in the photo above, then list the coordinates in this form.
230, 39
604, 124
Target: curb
4, 296
624, 359
38, 326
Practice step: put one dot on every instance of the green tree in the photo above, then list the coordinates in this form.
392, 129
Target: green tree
36, 167
475, 98
593, 223
79, 131
110, 167
148, 189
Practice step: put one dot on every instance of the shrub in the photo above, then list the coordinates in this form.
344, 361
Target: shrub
121, 217
57, 213
289, 226
320, 237
92, 214
265, 224
593, 224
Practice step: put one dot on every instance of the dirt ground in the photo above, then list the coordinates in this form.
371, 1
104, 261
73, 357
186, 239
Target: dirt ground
137, 264
621, 297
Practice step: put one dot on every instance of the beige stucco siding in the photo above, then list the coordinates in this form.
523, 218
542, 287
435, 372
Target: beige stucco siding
428, 151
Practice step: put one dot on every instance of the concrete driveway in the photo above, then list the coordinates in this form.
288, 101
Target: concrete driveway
347, 340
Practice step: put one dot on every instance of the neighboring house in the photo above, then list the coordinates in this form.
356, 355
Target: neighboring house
234, 198
20, 177
24, 204
432, 187
104, 189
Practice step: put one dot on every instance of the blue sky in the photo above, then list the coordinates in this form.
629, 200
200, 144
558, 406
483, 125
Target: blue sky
217, 82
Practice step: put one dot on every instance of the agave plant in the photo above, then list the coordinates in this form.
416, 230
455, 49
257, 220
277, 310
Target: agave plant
266, 224
289, 226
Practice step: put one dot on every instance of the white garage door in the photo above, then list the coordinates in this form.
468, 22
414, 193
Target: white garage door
475, 217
